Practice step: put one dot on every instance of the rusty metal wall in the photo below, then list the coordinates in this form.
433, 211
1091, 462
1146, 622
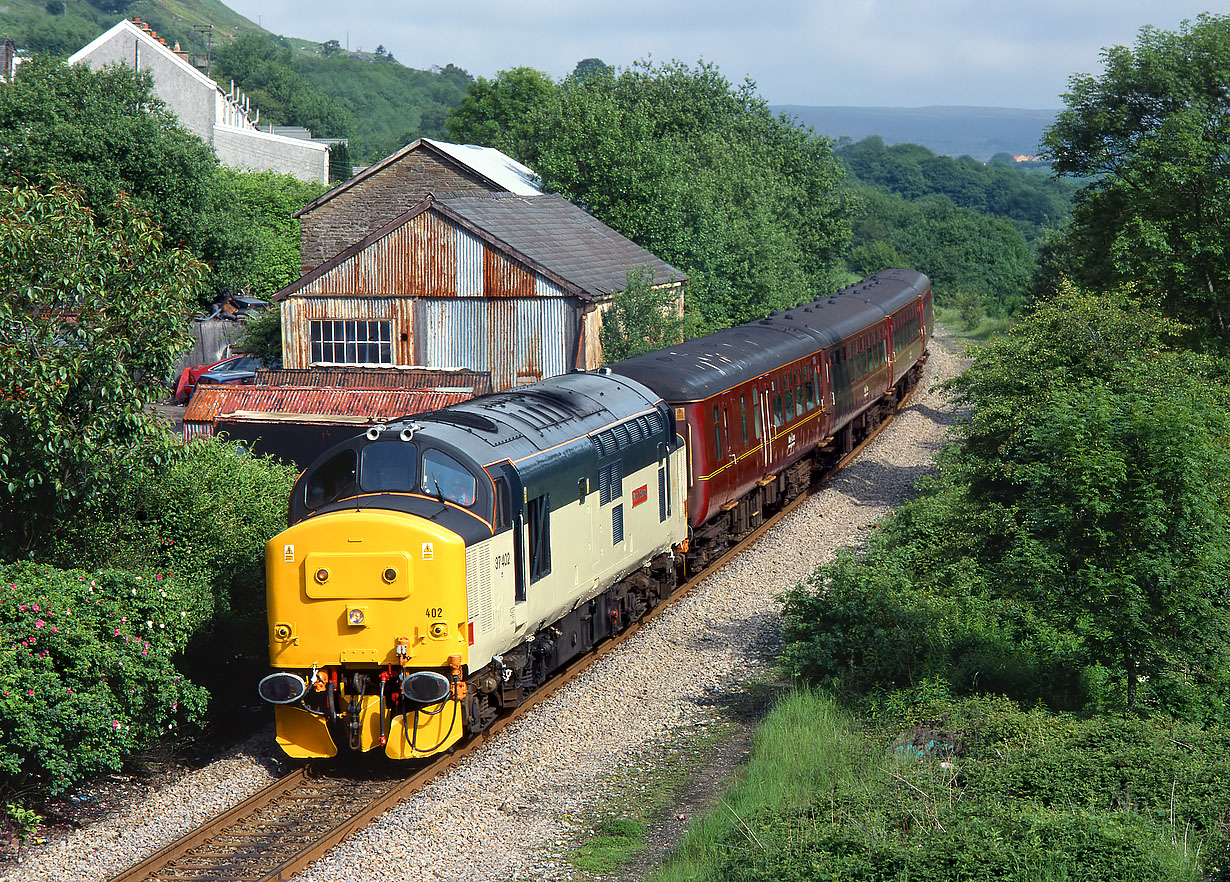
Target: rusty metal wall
517, 341
455, 302
378, 378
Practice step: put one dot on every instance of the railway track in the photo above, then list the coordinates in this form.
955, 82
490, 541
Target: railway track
278, 831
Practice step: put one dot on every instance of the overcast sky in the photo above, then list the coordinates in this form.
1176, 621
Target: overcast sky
882, 53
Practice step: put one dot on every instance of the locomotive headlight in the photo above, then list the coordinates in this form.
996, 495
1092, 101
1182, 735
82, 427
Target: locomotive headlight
356, 616
425, 688
390, 575
322, 575
439, 629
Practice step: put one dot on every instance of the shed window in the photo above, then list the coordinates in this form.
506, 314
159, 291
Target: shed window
352, 342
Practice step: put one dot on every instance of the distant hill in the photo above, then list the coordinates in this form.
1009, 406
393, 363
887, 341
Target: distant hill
980, 132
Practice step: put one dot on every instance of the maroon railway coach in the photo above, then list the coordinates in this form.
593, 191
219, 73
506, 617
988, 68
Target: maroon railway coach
759, 405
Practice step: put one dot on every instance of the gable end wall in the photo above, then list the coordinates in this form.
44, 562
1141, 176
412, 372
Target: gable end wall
349, 216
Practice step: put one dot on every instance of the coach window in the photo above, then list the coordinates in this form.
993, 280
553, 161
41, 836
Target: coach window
777, 410
445, 478
332, 481
755, 415
798, 393
717, 434
811, 389
743, 416
789, 398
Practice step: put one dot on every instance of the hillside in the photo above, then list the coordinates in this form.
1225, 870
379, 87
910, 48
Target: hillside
980, 132
62, 29
370, 98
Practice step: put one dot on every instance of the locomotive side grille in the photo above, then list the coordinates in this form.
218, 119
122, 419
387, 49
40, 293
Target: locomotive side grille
478, 586
621, 436
635, 430
617, 524
662, 494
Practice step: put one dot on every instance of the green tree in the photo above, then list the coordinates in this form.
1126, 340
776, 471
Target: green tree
106, 133
686, 165
641, 318
249, 230
90, 324
262, 335
1097, 466
1150, 133
497, 113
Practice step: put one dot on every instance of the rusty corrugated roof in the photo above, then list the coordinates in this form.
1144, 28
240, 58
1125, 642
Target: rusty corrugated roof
420, 378
316, 404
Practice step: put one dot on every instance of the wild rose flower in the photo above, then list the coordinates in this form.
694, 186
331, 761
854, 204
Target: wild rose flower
40, 623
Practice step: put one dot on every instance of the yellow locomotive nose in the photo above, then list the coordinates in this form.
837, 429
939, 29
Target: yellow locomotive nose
344, 586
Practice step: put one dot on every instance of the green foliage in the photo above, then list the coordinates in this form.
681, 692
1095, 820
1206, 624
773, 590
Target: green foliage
1072, 549
262, 335
499, 113
250, 232
391, 104
641, 318
202, 511
89, 671
267, 74
107, 134
1150, 133
23, 822
689, 167
995, 190
930, 788
89, 328
962, 251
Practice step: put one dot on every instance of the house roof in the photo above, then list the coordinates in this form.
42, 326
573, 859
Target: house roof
560, 236
545, 232
488, 164
147, 40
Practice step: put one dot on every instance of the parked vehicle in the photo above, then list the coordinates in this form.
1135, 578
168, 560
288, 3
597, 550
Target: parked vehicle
237, 369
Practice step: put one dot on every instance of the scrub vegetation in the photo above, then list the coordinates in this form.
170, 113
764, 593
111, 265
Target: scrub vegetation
1023, 673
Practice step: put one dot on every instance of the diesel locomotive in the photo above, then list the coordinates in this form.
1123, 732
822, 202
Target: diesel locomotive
439, 568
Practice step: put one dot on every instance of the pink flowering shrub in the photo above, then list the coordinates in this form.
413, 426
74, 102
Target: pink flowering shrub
89, 670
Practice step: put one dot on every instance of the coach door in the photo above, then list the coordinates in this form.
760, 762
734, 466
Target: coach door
766, 424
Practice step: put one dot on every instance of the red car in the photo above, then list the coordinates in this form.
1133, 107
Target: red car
236, 369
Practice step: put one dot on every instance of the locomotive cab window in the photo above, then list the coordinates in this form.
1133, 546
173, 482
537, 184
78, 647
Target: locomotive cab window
332, 481
503, 506
389, 467
445, 478
538, 518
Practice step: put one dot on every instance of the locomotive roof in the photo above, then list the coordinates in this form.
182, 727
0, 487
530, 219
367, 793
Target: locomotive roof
697, 369
520, 422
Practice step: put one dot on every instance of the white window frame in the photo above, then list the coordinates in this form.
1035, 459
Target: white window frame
357, 337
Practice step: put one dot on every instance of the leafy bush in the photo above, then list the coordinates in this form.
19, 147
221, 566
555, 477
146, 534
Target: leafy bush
88, 670
1022, 795
860, 625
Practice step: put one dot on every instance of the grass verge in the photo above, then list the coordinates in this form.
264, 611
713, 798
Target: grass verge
935, 788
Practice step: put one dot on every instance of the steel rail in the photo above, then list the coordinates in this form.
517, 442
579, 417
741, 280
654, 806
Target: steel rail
212, 852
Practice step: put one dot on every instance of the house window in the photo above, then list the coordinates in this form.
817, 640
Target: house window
352, 342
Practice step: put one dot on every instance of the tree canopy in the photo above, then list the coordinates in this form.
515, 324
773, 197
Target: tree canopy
696, 170
1150, 132
93, 317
